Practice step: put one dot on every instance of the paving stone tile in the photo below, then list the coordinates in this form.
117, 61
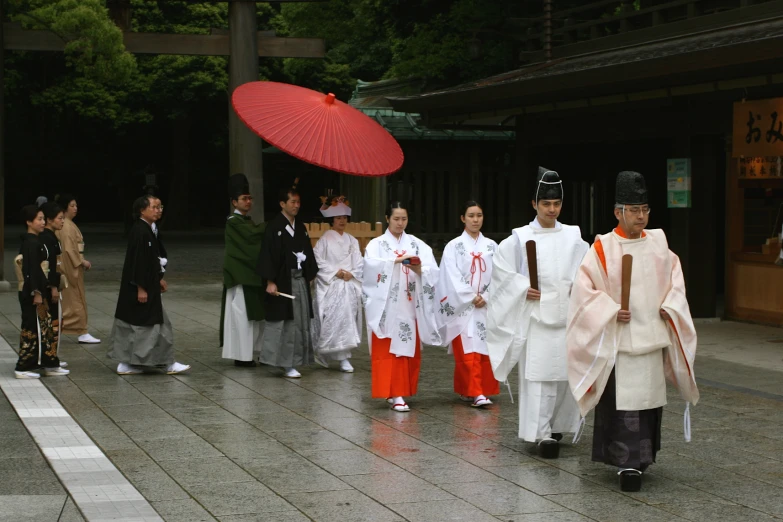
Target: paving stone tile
342, 506
457, 510
543, 479
306, 440
199, 470
501, 498
182, 511
155, 429
182, 402
556, 516
487, 454
134, 412
715, 512
349, 462
179, 448
37, 508
213, 415
244, 407
396, 487
290, 473
440, 473
280, 421
28, 476
611, 506
282, 516
238, 498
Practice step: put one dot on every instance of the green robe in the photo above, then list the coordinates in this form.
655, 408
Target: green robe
241, 265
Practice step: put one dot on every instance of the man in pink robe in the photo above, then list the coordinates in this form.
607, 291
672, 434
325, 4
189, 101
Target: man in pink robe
619, 360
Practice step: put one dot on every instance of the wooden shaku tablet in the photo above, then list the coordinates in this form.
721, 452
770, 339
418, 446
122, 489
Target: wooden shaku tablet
532, 263
626, 287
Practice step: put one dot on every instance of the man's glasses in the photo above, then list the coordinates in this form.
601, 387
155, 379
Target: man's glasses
638, 210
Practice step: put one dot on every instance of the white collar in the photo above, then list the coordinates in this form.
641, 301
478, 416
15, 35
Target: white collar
468, 237
536, 224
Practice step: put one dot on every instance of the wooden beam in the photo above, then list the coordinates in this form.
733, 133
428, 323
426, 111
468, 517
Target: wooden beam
18, 39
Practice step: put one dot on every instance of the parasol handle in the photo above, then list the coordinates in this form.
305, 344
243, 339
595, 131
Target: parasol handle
532, 263
626, 286
330, 98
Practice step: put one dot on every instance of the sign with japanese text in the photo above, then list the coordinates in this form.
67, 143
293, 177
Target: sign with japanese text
758, 128
678, 180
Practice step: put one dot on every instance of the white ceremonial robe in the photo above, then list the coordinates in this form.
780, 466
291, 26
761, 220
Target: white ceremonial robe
646, 351
532, 333
397, 300
465, 272
337, 308
240, 336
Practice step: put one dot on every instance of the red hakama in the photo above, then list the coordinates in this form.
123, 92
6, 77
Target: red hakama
394, 376
472, 372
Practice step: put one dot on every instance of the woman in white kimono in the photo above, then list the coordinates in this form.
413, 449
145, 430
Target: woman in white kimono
463, 292
399, 280
337, 323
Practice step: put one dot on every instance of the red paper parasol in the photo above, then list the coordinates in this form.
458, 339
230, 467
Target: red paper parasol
317, 128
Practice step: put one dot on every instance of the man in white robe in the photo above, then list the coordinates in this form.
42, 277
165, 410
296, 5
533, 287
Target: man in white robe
619, 360
528, 325
337, 308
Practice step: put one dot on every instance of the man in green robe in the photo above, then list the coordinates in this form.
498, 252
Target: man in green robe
243, 301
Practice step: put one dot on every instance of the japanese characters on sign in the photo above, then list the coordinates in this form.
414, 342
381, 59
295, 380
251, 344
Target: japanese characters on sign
760, 167
758, 128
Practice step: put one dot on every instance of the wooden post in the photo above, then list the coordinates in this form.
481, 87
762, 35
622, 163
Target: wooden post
244, 145
4, 286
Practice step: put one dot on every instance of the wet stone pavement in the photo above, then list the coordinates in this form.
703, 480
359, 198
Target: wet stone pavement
244, 444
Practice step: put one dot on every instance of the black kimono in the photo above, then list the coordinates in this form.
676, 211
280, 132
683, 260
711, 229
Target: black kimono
35, 318
286, 340
52, 252
277, 262
142, 334
141, 269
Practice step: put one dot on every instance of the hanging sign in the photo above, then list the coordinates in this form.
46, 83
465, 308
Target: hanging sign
757, 128
678, 177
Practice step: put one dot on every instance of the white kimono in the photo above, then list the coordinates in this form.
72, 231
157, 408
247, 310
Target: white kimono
533, 333
337, 322
645, 352
465, 272
397, 300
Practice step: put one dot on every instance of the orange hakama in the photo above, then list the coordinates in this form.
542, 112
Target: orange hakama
473, 374
394, 376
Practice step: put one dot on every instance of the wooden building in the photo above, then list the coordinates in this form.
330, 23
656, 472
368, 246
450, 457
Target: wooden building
652, 89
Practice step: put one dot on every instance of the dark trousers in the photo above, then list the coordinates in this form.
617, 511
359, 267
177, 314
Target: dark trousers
626, 439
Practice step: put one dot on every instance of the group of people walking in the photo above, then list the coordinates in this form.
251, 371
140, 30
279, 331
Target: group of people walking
589, 327
543, 300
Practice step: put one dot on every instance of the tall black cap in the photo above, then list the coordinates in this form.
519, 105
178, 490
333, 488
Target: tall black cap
238, 185
548, 185
630, 189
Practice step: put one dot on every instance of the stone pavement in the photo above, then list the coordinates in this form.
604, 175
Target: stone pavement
242, 444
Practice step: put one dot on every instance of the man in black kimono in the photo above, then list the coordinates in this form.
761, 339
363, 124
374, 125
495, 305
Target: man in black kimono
37, 346
288, 265
142, 334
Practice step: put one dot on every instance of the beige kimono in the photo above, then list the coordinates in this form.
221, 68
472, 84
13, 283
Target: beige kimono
74, 302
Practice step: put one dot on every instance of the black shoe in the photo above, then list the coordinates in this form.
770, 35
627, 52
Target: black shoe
245, 364
548, 449
557, 436
630, 480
